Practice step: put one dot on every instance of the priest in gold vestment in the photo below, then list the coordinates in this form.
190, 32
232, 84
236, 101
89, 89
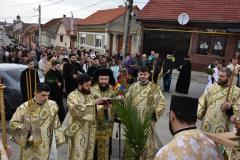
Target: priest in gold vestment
103, 87
3, 152
80, 128
215, 109
147, 96
35, 126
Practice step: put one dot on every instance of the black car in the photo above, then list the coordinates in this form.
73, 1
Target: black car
10, 76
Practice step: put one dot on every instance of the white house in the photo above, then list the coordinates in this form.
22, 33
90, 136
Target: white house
103, 30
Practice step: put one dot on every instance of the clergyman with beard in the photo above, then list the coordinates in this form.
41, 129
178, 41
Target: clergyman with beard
71, 70
103, 87
214, 109
80, 129
188, 142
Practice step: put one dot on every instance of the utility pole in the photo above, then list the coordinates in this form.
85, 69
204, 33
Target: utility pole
39, 23
71, 22
71, 34
127, 25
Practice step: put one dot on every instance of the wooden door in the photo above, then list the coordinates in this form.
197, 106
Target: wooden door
111, 44
120, 43
176, 43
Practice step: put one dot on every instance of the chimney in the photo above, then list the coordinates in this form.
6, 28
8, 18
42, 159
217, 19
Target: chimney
64, 16
18, 18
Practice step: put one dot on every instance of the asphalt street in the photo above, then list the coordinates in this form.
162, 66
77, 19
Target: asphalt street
4, 39
198, 83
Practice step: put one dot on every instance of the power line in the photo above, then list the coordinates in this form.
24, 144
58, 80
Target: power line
27, 17
26, 4
90, 6
53, 3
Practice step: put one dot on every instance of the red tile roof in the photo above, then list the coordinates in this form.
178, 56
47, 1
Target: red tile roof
52, 22
30, 28
227, 11
103, 16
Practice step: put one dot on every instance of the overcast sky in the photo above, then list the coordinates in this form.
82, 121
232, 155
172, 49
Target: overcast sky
9, 9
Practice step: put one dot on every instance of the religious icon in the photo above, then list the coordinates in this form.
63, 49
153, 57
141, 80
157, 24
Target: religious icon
218, 46
204, 45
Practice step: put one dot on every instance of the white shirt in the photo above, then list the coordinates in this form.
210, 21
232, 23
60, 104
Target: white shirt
41, 65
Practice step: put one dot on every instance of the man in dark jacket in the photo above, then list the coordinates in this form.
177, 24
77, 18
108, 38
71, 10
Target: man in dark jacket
54, 80
91, 70
167, 72
71, 70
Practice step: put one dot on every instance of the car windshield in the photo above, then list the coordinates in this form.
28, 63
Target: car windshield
16, 73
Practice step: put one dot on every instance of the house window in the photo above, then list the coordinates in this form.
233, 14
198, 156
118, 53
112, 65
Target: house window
238, 46
211, 44
204, 44
218, 46
83, 38
33, 40
98, 41
61, 38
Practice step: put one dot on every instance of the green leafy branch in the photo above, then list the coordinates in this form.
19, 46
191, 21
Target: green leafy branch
136, 130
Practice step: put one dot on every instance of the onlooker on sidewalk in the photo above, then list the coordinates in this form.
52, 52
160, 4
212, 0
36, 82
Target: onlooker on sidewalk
215, 77
130, 64
236, 68
168, 66
115, 67
71, 71
42, 63
55, 80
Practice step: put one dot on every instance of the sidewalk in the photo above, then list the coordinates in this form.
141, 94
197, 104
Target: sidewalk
199, 77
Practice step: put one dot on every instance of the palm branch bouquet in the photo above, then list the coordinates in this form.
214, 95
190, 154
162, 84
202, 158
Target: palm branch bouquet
136, 130
210, 70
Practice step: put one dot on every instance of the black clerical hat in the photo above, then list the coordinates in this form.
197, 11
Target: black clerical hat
104, 72
186, 106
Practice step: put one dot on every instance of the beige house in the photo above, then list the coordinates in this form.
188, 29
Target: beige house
103, 30
62, 38
67, 32
49, 31
60, 32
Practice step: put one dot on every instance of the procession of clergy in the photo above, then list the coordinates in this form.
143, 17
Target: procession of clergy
88, 126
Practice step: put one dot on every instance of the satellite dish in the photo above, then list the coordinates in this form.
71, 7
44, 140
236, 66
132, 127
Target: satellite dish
183, 19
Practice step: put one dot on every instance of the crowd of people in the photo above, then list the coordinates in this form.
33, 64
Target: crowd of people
89, 81
76, 61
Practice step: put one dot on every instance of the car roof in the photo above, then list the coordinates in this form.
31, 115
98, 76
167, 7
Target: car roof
11, 66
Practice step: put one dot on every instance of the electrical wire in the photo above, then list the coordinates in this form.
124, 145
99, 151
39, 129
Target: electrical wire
80, 10
26, 17
53, 3
26, 4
